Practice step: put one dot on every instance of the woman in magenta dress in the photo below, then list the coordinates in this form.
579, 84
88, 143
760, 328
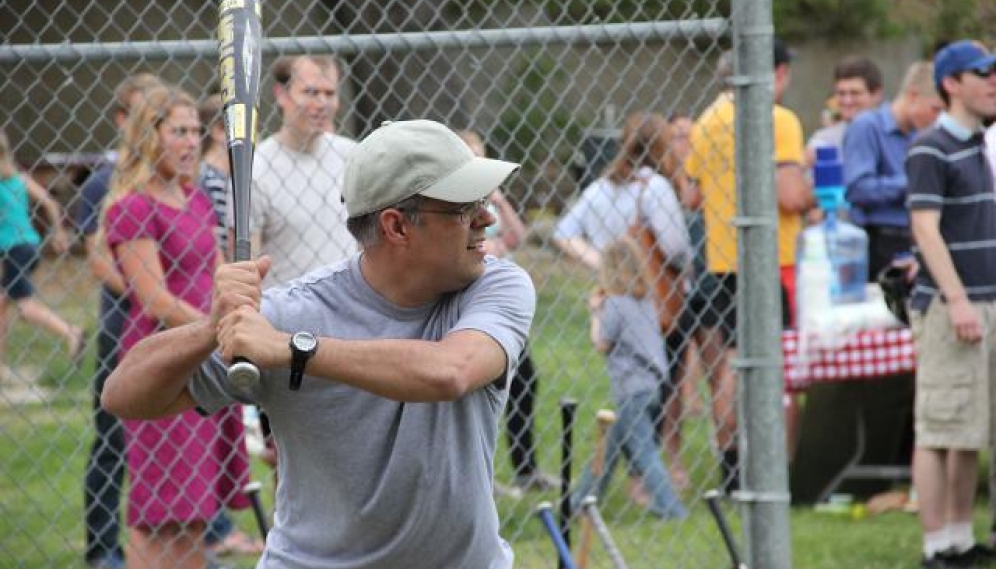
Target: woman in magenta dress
160, 228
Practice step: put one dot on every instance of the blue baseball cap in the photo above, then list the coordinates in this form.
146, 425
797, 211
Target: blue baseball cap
960, 56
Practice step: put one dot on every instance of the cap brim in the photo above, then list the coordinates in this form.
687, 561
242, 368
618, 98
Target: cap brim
984, 62
472, 181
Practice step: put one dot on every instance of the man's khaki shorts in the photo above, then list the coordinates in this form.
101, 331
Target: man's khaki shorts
955, 380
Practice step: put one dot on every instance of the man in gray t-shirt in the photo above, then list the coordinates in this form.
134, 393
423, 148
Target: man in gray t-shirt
402, 353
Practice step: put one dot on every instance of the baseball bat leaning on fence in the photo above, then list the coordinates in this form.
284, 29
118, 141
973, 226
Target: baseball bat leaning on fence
239, 60
545, 512
252, 491
712, 499
567, 413
589, 510
604, 420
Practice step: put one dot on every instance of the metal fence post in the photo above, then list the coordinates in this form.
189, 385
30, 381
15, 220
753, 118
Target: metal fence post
762, 433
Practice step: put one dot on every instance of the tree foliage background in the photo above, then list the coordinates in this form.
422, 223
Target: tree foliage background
933, 21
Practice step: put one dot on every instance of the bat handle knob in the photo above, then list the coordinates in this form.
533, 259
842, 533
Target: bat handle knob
243, 374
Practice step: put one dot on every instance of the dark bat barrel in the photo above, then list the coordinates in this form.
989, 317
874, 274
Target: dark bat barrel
252, 491
239, 64
712, 500
568, 408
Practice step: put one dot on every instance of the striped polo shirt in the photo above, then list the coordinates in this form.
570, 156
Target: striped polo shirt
948, 171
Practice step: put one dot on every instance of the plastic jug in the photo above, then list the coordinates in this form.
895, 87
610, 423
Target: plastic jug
832, 256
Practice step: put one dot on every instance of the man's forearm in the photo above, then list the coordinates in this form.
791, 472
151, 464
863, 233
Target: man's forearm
875, 191
578, 248
151, 381
795, 195
937, 258
412, 370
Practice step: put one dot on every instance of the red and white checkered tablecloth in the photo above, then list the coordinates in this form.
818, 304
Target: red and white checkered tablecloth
865, 355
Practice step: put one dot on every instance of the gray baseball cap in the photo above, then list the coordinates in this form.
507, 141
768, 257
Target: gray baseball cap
404, 158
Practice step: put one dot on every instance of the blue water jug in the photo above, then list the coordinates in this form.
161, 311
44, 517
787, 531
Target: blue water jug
844, 244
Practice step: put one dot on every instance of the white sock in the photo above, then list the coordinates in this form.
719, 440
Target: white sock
960, 536
935, 542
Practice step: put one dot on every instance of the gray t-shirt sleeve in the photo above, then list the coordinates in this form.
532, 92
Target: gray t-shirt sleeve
209, 385
501, 304
210, 388
610, 321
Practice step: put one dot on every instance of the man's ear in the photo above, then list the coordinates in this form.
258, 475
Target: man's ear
279, 92
950, 84
394, 226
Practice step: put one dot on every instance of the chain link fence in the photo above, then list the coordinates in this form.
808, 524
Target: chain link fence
549, 84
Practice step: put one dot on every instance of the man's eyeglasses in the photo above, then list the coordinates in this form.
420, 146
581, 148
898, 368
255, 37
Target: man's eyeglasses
984, 72
465, 213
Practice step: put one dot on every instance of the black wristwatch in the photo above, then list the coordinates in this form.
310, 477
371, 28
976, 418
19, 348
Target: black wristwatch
303, 345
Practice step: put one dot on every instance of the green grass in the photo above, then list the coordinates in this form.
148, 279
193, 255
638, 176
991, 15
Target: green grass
43, 448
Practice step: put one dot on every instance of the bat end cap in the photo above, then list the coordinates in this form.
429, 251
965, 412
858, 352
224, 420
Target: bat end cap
605, 416
243, 375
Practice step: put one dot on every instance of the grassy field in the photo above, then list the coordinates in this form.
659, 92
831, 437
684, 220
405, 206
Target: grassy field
43, 448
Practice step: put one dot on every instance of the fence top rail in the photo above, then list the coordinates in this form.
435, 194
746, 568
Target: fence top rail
347, 44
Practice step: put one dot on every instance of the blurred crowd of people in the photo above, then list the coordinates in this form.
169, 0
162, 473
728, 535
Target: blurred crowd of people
156, 223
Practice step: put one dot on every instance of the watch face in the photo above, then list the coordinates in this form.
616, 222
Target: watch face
304, 341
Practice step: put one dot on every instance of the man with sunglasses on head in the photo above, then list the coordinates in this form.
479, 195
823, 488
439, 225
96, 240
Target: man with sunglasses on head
405, 350
953, 305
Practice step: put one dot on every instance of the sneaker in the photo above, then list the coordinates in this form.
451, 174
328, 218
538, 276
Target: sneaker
969, 559
938, 561
977, 555
538, 480
109, 561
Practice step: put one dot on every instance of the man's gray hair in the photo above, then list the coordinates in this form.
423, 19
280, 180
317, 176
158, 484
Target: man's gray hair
365, 228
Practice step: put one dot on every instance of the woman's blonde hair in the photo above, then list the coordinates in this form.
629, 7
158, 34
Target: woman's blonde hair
621, 269
141, 146
8, 169
646, 138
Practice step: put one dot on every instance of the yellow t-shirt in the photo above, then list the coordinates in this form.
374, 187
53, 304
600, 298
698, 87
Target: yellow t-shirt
711, 164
